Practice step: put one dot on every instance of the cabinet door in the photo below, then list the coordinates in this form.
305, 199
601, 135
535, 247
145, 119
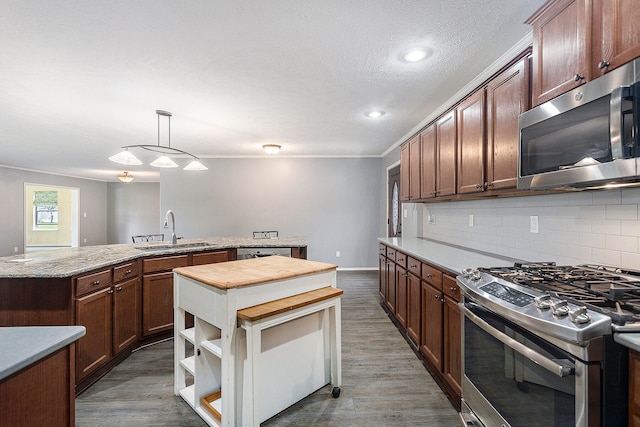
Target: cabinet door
157, 303
616, 34
432, 331
446, 158
414, 168
428, 159
404, 172
413, 308
391, 286
452, 345
210, 257
382, 279
401, 295
507, 98
634, 388
470, 127
94, 313
561, 48
126, 314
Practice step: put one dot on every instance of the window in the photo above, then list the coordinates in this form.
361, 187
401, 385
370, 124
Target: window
45, 208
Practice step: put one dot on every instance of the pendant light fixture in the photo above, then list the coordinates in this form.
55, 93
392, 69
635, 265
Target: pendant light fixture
126, 177
163, 161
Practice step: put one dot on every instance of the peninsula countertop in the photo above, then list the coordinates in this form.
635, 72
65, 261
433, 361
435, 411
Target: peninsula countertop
66, 262
252, 271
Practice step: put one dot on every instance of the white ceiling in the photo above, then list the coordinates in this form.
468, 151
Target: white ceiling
79, 79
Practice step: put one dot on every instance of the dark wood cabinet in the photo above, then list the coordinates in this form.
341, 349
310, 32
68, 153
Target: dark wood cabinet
93, 311
157, 303
390, 271
382, 277
452, 367
616, 34
446, 155
126, 314
432, 322
428, 153
507, 98
414, 308
404, 172
401, 288
634, 388
471, 145
561, 48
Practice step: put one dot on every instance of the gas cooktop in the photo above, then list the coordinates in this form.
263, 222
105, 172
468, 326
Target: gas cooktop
611, 291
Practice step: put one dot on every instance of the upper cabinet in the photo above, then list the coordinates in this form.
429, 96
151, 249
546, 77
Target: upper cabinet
575, 41
561, 48
616, 34
428, 154
446, 155
410, 170
471, 145
404, 172
507, 97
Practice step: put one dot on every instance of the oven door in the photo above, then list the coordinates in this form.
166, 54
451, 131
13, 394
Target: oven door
512, 377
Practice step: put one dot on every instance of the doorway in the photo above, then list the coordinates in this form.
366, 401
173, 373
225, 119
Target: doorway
51, 217
394, 219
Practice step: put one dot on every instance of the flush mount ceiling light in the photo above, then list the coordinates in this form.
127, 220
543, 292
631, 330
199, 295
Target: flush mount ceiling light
163, 161
271, 148
415, 54
374, 114
125, 177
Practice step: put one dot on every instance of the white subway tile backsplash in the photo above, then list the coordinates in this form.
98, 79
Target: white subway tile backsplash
577, 227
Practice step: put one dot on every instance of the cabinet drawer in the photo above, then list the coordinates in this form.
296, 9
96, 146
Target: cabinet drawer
391, 253
450, 287
414, 266
210, 257
401, 259
93, 282
432, 275
382, 249
126, 271
151, 265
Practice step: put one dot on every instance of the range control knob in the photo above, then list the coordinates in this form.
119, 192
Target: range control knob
580, 315
543, 302
560, 308
471, 273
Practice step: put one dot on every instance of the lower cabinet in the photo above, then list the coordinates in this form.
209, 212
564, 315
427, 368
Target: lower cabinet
425, 305
157, 303
634, 388
93, 311
126, 314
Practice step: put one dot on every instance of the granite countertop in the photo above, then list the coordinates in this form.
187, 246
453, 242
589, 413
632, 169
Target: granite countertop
446, 256
631, 340
25, 345
66, 262
252, 271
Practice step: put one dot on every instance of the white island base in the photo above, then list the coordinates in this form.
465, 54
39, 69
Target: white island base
240, 369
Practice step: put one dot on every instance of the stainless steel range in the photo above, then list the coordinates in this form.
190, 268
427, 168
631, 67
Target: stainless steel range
538, 348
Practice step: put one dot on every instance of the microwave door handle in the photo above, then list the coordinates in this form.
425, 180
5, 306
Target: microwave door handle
551, 366
616, 120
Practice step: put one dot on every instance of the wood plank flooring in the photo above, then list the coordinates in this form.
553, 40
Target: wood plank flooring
383, 381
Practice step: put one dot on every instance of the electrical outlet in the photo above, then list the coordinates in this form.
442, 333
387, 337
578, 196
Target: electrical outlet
533, 226
471, 220
431, 219
15, 249
406, 213
337, 254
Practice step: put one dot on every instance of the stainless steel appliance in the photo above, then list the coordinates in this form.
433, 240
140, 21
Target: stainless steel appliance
587, 137
538, 346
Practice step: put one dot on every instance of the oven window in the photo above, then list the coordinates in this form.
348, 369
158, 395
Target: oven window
524, 393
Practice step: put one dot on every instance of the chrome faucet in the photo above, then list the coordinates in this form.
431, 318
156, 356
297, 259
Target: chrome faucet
174, 239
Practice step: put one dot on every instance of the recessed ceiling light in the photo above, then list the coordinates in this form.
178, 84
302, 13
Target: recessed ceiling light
374, 114
271, 148
416, 54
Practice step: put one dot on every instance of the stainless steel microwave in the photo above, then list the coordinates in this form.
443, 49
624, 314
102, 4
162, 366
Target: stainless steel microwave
587, 137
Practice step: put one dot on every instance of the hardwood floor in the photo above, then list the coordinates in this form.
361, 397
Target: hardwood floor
383, 381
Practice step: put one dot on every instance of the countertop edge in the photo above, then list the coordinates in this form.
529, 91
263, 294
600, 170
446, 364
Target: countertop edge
39, 341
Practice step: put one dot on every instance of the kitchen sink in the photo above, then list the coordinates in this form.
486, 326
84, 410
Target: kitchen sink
160, 246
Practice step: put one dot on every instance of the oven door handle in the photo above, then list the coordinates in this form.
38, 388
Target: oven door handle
548, 364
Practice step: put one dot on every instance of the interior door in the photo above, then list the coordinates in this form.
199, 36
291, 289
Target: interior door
394, 217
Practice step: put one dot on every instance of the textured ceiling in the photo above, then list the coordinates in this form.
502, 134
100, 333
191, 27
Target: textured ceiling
79, 79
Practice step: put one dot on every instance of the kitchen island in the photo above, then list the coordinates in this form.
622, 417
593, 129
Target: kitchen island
122, 294
266, 334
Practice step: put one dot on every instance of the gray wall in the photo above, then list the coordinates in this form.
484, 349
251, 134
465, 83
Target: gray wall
93, 202
134, 209
334, 202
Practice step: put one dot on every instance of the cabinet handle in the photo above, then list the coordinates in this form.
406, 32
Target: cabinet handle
603, 64
429, 276
127, 272
487, 184
110, 291
453, 289
437, 296
96, 283
578, 77
413, 266
119, 288
479, 185
406, 274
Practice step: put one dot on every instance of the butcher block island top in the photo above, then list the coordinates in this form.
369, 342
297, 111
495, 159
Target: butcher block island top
252, 271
